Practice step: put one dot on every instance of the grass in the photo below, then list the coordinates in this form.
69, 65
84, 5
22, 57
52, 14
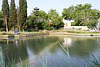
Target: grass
44, 31
20, 33
78, 31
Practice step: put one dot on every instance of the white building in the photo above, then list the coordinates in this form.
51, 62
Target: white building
67, 25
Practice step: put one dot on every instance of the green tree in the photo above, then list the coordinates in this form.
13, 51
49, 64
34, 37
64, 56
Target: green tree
22, 13
40, 20
31, 20
37, 19
52, 14
1, 22
12, 14
5, 10
92, 23
43, 15
94, 14
82, 14
68, 13
56, 20
57, 23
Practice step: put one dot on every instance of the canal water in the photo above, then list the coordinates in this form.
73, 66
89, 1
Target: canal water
50, 51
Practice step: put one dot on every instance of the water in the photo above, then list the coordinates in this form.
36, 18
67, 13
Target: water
46, 49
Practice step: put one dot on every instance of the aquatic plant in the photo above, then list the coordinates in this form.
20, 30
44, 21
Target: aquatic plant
2, 64
44, 64
67, 52
94, 62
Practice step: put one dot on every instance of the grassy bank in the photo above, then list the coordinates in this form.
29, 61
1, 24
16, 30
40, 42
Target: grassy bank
20, 33
44, 31
76, 31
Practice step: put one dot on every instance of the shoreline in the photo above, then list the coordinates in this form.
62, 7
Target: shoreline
21, 36
75, 34
50, 34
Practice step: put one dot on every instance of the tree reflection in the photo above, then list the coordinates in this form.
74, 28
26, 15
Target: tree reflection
38, 44
37, 47
14, 49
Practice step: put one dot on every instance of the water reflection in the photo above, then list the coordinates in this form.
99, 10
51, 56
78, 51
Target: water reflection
67, 42
2, 63
47, 47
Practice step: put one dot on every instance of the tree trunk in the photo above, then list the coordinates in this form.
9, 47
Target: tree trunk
23, 30
19, 28
14, 28
6, 24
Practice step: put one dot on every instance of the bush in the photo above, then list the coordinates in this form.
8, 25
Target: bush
74, 23
2, 29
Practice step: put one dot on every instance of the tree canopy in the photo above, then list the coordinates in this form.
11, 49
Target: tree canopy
82, 14
40, 20
12, 14
22, 13
5, 12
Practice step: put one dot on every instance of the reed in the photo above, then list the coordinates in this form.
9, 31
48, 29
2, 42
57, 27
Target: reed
94, 61
67, 52
44, 64
2, 64
10, 63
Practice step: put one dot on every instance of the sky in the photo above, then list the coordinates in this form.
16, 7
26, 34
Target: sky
46, 5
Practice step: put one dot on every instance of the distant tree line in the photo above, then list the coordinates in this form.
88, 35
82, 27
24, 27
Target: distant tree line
11, 18
40, 20
82, 14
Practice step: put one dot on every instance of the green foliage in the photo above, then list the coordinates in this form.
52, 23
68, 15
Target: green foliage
56, 20
48, 26
5, 8
74, 23
22, 13
68, 12
38, 20
43, 15
82, 14
5, 12
12, 14
92, 24
52, 14
1, 22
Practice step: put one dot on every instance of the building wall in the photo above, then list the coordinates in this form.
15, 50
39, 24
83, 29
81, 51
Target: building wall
77, 27
67, 23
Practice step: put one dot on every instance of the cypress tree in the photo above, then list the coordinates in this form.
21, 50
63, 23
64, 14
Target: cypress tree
5, 10
12, 14
22, 13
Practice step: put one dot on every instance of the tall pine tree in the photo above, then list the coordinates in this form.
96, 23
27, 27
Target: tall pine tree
12, 14
22, 14
5, 10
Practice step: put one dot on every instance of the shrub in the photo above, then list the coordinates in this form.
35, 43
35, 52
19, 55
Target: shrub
74, 23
